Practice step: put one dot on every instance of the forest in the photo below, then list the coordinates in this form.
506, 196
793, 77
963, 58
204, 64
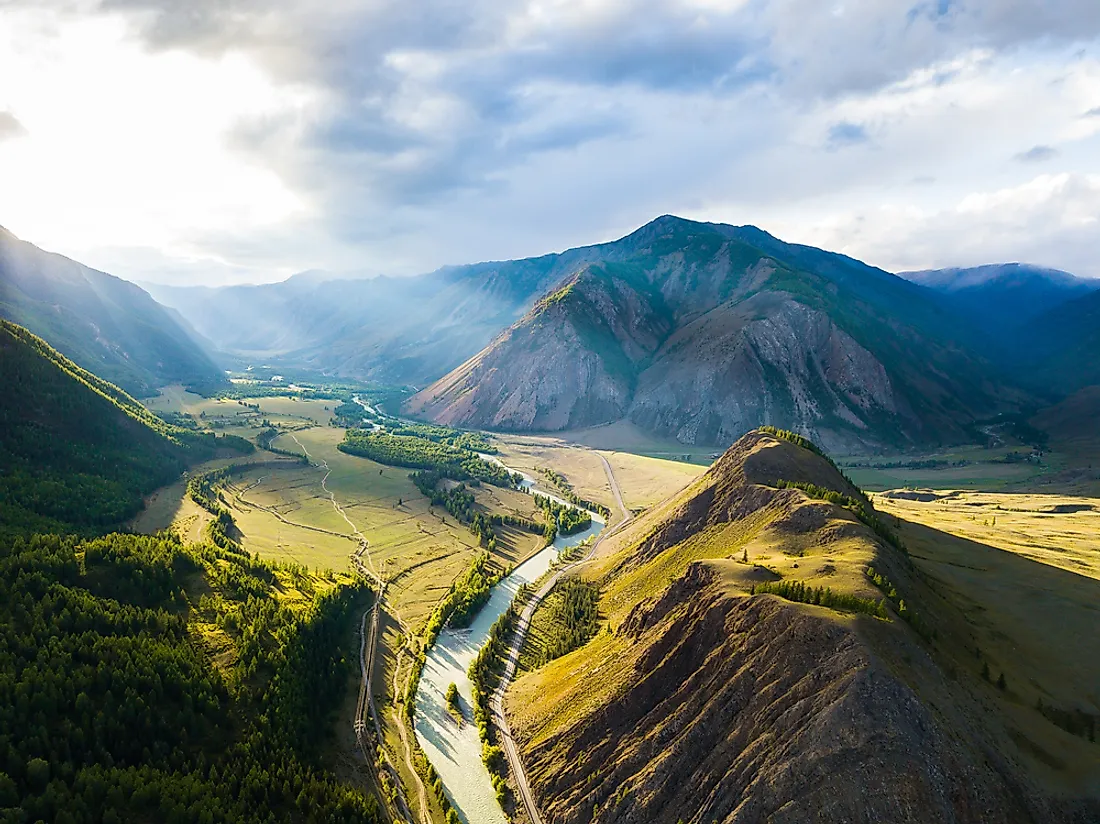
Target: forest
78, 453
415, 452
113, 707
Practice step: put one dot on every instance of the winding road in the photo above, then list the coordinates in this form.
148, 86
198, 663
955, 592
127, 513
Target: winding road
496, 703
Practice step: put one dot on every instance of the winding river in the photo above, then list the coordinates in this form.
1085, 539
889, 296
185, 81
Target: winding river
455, 751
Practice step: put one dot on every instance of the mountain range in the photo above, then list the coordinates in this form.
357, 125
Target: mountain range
692, 331
105, 324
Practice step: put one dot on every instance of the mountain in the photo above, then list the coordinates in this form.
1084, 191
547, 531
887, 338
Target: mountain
78, 453
106, 325
766, 653
702, 332
1063, 345
1003, 297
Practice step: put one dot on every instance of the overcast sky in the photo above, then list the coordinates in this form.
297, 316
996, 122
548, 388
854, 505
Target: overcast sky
209, 141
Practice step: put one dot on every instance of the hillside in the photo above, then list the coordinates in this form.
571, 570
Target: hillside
1063, 345
1003, 297
765, 655
108, 326
698, 334
78, 453
181, 683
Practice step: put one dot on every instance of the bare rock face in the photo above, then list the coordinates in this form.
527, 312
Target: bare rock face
769, 359
570, 362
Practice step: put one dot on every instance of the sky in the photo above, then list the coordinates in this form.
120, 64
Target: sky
227, 141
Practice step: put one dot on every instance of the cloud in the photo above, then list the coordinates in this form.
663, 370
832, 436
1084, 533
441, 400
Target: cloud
1036, 154
1050, 220
400, 136
1092, 112
10, 127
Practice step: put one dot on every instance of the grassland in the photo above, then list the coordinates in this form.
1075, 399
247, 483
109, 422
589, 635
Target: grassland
644, 480
1057, 530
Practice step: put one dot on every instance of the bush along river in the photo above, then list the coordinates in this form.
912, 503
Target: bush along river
455, 750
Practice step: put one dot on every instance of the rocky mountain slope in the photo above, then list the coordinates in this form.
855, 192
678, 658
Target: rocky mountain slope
706, 699
106, 325
701, 332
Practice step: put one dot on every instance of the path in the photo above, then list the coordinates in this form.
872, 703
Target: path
497, 701
368, 651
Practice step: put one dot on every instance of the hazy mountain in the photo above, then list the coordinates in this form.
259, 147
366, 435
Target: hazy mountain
703, 332
702, 698
1002, 297
106, 325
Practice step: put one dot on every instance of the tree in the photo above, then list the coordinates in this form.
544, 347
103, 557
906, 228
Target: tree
985, 670
1001, 685
38, 774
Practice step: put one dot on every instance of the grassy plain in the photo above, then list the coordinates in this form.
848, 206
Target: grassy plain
644, 480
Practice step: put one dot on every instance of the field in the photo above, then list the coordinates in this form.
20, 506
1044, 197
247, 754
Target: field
1057, 530
644, 480
238, 417
1030, 620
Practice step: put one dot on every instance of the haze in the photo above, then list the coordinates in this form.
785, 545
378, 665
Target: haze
187, 143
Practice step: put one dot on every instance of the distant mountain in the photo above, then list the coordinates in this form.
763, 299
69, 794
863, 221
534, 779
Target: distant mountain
77, 453
1003, 297
106, 325
702, 332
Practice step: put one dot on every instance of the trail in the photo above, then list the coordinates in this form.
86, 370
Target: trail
368, 653
496, 703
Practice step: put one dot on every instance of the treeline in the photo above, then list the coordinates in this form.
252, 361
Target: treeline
566, 519
567, 492
459, 501
350, 414
485, 672
1075, 722
112, 710
457, 438
418, 453
861, 509
574, 618
265, 438
77, 453
465, 597
905, 612
821, 596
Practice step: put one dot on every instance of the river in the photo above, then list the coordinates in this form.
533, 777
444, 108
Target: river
455, 751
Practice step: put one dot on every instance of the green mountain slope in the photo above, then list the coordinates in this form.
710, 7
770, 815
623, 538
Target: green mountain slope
78, 453
106, 325
1063, 346
729, 337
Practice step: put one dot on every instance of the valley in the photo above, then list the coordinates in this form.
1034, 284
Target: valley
674, 528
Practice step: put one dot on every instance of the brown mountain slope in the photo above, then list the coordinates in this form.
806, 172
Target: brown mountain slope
700, 336
703, 703
570, 360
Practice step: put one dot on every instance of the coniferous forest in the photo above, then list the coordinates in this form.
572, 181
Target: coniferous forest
142, 679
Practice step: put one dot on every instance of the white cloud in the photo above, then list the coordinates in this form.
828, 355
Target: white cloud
233, 141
